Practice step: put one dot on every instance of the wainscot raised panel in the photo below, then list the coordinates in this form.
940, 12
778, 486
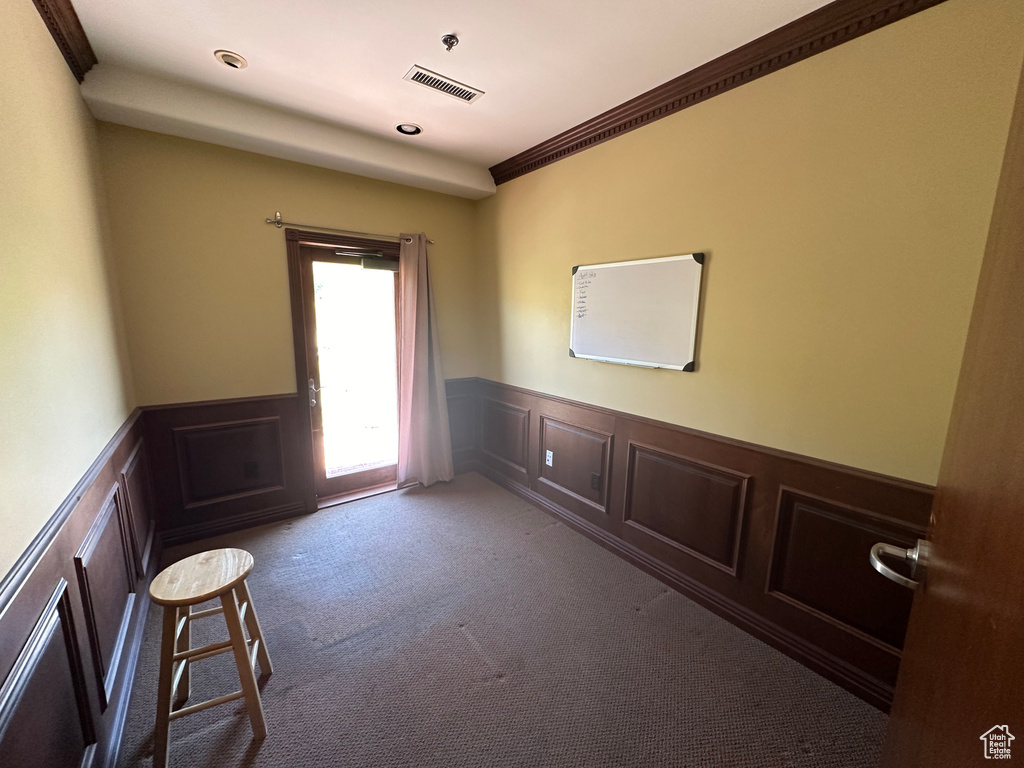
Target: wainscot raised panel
820, 564
44, 715
227, 464
106, 580
504, 437
217, 462
774, 542
138, 498
694, 507
580, 468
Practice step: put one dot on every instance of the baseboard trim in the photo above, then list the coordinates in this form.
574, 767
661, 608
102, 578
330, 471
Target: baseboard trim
184, 534
832, 668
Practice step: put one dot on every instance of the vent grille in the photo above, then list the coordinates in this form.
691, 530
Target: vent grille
445, 85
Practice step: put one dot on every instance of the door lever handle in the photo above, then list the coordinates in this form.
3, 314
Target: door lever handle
312, 393
917, 557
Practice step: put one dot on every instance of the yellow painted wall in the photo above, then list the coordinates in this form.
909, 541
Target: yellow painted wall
205, 280
63, 389
844, 203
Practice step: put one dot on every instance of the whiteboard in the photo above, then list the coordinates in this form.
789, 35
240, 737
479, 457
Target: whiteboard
637, 312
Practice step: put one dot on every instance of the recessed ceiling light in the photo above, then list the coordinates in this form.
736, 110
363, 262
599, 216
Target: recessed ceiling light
408, 129
230, 58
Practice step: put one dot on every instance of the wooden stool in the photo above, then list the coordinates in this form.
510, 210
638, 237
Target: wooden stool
218, 573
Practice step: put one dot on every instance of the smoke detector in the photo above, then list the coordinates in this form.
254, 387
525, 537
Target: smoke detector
445, 85
231, 59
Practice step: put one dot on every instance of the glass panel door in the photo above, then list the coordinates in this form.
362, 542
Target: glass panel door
354, 376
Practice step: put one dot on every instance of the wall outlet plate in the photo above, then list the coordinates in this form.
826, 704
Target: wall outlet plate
549, 458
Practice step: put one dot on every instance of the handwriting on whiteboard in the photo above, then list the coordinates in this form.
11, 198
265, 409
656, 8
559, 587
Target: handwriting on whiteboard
583, 281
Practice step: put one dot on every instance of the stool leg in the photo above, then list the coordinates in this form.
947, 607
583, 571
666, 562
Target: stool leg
255, 631
184, 643
248, 679
163, 696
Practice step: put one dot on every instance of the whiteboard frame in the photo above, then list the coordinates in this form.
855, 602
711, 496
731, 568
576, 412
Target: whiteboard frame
689, 367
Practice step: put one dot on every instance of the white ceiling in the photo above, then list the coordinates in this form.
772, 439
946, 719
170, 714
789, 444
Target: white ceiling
545, 66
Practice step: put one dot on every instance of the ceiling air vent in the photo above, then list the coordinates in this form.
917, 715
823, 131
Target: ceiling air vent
446, 85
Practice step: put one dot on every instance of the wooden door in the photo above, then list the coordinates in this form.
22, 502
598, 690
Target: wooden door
312, 256
963, 662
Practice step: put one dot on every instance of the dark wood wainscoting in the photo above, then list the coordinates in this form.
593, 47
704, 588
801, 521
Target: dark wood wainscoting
776, 543
227, 464
72, 614
464, 420
106, 581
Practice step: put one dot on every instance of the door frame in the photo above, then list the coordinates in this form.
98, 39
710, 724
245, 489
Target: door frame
295, 240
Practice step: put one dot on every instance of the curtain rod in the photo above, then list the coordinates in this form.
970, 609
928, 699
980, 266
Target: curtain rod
278, 222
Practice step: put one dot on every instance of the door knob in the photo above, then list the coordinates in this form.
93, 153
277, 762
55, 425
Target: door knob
916, 557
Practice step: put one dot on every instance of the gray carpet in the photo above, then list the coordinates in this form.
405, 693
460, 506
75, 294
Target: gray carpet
459, 626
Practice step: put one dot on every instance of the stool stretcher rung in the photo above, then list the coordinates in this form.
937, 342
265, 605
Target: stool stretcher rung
207, 612
206, 705
195, 654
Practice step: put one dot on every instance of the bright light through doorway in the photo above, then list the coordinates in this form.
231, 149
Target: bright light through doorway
355, 328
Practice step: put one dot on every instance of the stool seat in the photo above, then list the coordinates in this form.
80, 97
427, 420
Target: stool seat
201, 577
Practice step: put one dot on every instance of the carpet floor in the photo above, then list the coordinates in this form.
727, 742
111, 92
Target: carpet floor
459, 626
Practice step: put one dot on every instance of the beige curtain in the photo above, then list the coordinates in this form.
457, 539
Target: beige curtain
424, 440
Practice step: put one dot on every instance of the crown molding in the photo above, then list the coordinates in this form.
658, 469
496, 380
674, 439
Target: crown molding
818, 31
67, 33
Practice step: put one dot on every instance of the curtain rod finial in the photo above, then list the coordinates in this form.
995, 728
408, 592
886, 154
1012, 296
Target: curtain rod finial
277, 221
